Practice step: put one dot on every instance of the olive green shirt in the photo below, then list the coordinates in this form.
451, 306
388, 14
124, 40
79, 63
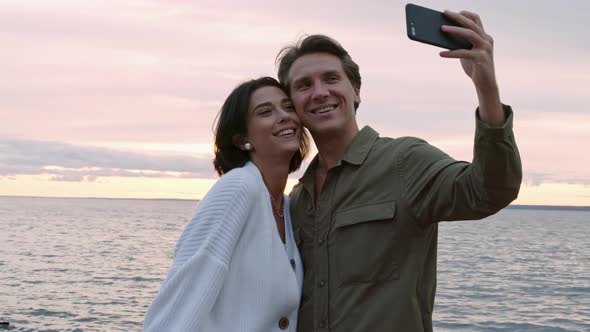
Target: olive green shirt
369, 246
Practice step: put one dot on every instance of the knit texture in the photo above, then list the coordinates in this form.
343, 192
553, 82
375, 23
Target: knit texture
231, 272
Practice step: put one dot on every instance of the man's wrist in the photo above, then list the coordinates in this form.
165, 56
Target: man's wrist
490, 107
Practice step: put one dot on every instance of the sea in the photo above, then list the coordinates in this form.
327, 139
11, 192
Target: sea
71, 264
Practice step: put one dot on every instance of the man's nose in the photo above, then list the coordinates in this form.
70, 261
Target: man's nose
320, 90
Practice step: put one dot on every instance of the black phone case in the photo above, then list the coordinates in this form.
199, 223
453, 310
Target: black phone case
423, 25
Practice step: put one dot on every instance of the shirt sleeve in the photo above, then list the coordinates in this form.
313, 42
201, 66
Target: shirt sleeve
201, 258
439, 188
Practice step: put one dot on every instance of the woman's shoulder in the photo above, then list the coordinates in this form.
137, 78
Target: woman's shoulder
247, 175
245, 180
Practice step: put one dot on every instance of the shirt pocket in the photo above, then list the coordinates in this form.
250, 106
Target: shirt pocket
363, 246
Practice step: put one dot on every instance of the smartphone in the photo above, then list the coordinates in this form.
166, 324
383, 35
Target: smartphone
424, 25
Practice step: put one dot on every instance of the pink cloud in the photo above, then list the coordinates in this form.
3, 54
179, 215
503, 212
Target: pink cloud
158, 71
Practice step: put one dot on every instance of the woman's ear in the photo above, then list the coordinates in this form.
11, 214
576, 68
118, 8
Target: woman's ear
238, 141
241, 143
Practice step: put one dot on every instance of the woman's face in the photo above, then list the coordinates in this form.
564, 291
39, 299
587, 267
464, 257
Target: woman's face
274, 129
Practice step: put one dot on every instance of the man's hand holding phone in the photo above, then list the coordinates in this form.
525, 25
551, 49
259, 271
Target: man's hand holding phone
465, 38
477, 62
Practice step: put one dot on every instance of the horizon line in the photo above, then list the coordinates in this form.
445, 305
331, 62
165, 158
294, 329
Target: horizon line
516, 206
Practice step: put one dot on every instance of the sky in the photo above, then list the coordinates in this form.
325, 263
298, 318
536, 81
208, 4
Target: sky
117, 98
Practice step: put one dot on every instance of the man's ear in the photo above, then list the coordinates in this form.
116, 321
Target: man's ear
357, 95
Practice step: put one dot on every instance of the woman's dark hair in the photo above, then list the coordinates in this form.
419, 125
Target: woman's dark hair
232, 122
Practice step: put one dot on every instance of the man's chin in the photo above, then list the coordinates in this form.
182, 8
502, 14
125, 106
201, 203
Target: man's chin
325, 128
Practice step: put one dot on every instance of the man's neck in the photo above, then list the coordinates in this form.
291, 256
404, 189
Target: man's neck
332, 146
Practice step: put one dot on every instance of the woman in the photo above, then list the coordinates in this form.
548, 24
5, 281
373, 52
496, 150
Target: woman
236, 266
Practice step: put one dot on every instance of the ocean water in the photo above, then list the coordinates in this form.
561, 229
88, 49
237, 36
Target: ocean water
96, 264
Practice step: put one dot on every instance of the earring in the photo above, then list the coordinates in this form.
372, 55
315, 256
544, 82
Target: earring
248, 146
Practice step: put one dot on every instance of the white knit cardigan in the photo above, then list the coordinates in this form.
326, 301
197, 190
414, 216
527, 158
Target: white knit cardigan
231, 271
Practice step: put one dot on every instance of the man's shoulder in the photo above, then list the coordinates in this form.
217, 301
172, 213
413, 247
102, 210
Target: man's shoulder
388, 152
396, 145
399, 140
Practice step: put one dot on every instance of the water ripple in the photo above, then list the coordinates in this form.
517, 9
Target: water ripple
95, 265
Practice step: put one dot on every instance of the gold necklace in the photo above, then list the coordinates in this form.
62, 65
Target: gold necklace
276, 206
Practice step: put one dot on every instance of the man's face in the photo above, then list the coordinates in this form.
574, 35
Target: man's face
322, 94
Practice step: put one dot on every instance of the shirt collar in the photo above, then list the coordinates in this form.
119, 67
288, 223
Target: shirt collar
360, 146
355, 154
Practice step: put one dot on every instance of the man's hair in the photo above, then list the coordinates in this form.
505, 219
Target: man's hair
232, 121
317, 44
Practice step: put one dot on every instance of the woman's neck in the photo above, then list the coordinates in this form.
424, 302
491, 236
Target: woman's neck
275, 174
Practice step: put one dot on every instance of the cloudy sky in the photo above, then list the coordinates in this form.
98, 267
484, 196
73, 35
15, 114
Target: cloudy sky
116, 98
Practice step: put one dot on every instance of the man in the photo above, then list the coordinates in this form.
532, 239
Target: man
366, 209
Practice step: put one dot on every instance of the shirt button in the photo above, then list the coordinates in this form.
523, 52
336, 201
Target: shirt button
321, 242
322, 324
293, 264
322, 283
283, 323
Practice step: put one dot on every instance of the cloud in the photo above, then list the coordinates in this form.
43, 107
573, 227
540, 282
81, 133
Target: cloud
73, 178
537, 179
68, 162
157, 71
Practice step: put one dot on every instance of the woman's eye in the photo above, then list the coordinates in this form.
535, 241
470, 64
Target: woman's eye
265, 112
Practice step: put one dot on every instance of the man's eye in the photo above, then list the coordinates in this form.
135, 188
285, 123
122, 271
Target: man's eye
302, 86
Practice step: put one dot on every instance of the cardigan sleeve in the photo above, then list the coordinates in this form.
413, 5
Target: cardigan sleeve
202, 256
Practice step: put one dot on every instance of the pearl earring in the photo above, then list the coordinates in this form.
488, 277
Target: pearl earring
248, 146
